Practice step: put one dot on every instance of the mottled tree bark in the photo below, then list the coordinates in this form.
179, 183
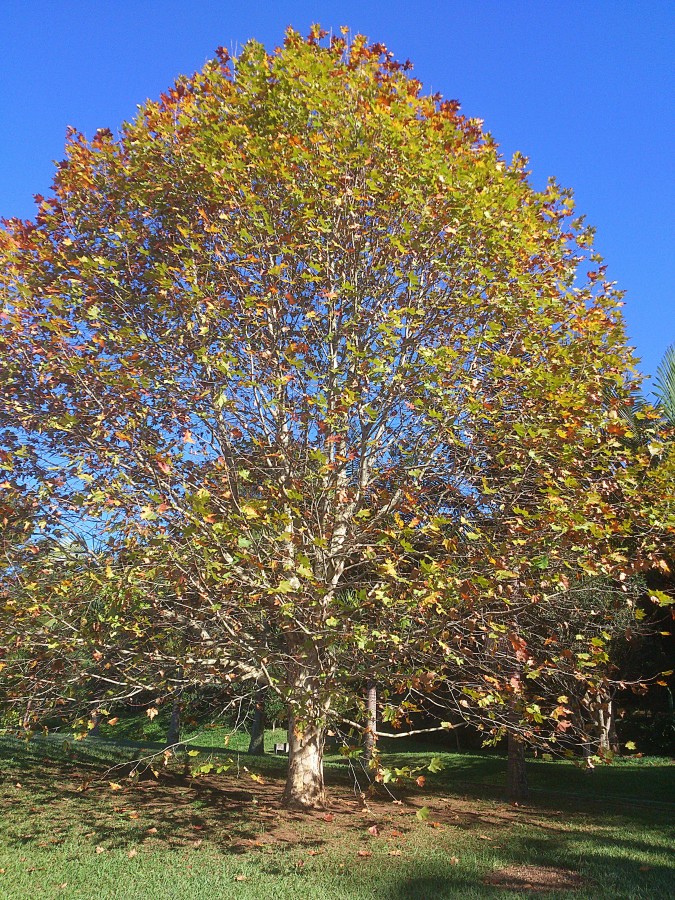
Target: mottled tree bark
304, 781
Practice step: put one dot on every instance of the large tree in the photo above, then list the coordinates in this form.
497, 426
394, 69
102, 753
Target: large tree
324, 374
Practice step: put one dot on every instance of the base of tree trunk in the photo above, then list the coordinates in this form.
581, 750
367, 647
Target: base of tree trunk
304, 783
516, 773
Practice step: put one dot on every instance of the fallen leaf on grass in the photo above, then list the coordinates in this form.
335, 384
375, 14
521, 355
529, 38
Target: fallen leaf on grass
152, 830
133, 852
484, 837
394, 853
364, 853
374, 830
396, 833
114, 786
241, 877
422, 814
454, 860
100, 849
328, 817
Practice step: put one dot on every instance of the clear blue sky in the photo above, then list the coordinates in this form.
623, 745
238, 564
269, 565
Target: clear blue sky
584, 89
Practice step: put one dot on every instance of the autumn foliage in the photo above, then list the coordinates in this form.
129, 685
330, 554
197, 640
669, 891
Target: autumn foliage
323, 390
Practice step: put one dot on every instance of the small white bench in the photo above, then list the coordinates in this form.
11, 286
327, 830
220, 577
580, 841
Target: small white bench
281, 748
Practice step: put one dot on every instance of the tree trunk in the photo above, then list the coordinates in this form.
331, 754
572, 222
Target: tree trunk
304, 782
516, 773
607, 722
370, 737
95, 718
257, 743
173, 734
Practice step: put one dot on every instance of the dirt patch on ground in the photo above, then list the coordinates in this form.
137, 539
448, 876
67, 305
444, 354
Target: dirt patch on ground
535, 879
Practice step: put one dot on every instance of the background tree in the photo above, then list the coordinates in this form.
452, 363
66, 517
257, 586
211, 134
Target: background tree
296, 318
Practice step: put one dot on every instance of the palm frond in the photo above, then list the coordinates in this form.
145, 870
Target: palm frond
665, 385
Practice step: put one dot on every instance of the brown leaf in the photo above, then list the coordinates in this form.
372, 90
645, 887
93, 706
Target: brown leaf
133, 852
374, 830
241, 877
152, 830
328, 817
100, 849
364, 853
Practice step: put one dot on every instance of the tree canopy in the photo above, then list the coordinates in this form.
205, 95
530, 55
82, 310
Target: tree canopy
320, 382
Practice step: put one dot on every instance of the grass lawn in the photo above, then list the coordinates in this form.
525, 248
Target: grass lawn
73, 827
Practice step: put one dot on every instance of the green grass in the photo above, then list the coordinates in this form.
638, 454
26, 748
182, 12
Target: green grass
226, 837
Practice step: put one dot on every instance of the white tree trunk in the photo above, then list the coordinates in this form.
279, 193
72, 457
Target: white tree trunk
370, 737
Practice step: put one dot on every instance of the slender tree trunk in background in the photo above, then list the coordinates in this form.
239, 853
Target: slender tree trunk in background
516, 772
607, 724
304, 782
257, 743
369, 736
95, 717
173, 734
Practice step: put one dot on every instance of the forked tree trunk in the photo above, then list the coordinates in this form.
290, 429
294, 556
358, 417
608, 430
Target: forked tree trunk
516, 773
304, 782
257, 743
173, 733
370, 737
